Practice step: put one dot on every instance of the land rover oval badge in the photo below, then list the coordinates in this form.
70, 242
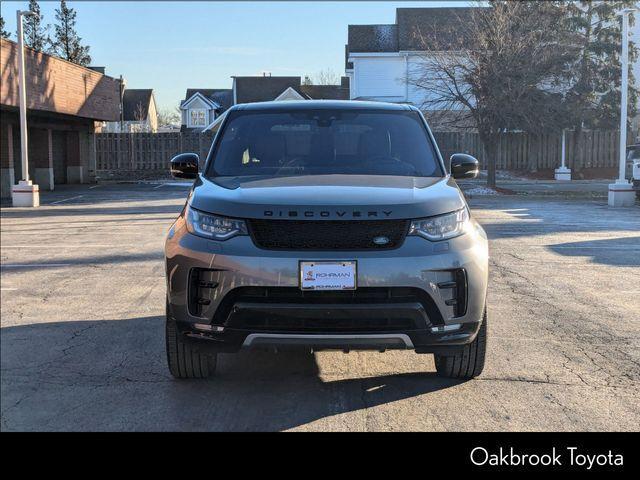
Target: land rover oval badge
381, 240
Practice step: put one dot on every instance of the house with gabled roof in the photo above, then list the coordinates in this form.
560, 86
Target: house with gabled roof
381, 60
203, 108
139, 113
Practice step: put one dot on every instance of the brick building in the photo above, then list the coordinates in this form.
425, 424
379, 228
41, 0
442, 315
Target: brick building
64, 100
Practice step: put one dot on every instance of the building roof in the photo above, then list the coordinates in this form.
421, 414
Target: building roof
440, 27
58, 86
324, 105
347, 64
325, 92
222, 96
135, 104
262, 89
267, 88
373, 38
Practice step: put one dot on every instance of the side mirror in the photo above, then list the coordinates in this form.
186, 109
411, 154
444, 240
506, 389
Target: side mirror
185, 165
464, 166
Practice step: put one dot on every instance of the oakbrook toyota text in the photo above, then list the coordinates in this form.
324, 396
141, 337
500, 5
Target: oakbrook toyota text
570, 456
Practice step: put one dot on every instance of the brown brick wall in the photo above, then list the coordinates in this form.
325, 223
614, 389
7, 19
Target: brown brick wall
55, 85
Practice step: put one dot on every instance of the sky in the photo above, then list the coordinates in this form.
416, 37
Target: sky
171, 46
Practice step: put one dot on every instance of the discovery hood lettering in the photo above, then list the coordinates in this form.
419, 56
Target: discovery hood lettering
328, 197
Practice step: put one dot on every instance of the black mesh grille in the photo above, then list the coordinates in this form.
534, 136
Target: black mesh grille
327, 235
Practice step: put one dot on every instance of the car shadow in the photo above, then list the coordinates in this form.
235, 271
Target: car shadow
112, 375
527, 218
619, 252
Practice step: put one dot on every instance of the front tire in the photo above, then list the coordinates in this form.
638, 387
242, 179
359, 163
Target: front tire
183, 360
469, 362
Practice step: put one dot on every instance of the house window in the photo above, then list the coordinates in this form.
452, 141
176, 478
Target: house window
198, 117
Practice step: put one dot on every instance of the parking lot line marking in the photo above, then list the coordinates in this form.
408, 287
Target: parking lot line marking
615, 247
57, 246
66, 199
35, 265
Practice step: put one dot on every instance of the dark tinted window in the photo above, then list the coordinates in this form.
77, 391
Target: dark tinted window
322, 142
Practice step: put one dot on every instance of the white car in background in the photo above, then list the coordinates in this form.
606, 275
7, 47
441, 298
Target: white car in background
633, 167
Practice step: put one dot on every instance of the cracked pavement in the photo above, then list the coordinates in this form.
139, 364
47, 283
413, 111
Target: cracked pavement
82, 347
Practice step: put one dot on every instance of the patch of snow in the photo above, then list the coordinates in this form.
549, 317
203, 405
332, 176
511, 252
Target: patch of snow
481, 191
506, 175
503, 175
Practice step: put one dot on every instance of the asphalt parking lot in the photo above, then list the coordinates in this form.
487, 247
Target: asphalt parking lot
82, 346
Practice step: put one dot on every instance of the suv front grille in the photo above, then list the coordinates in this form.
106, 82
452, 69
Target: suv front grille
274, 296
327, 234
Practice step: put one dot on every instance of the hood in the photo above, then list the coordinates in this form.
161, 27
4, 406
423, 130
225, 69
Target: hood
327, 197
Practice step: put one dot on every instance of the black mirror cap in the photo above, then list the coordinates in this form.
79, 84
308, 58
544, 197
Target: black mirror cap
185, 165
464, 166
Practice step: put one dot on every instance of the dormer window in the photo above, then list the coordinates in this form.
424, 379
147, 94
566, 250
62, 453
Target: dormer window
198, 117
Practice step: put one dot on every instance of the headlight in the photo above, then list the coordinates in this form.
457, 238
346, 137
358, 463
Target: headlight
442, 227
213, 226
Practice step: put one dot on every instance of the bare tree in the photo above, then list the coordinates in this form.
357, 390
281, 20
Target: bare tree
168, 117
140, 112
140, 115
499, 70
327, 77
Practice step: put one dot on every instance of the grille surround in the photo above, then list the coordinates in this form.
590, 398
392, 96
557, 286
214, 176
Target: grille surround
327, 235
364, 296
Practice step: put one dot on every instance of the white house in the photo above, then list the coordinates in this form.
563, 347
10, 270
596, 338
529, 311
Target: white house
202, 106
210, 105
381, 59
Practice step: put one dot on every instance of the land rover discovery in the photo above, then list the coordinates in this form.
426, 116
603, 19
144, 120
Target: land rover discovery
325, 225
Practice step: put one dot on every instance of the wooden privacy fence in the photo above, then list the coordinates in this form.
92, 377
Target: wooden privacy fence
516, 151
523, 151
147, 151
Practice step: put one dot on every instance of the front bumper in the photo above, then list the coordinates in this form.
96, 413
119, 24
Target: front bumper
419, 266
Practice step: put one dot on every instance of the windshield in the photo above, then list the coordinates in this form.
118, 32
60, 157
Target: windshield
324, 142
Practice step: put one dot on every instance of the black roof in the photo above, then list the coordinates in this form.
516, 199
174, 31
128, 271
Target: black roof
373, 38
263, 88
323, 105
325, 92
347, 64
222, 96
135, 104
440, 27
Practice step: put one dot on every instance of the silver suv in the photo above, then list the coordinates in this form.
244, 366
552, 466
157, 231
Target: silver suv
325, 225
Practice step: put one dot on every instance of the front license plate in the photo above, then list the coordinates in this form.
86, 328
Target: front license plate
328, 275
